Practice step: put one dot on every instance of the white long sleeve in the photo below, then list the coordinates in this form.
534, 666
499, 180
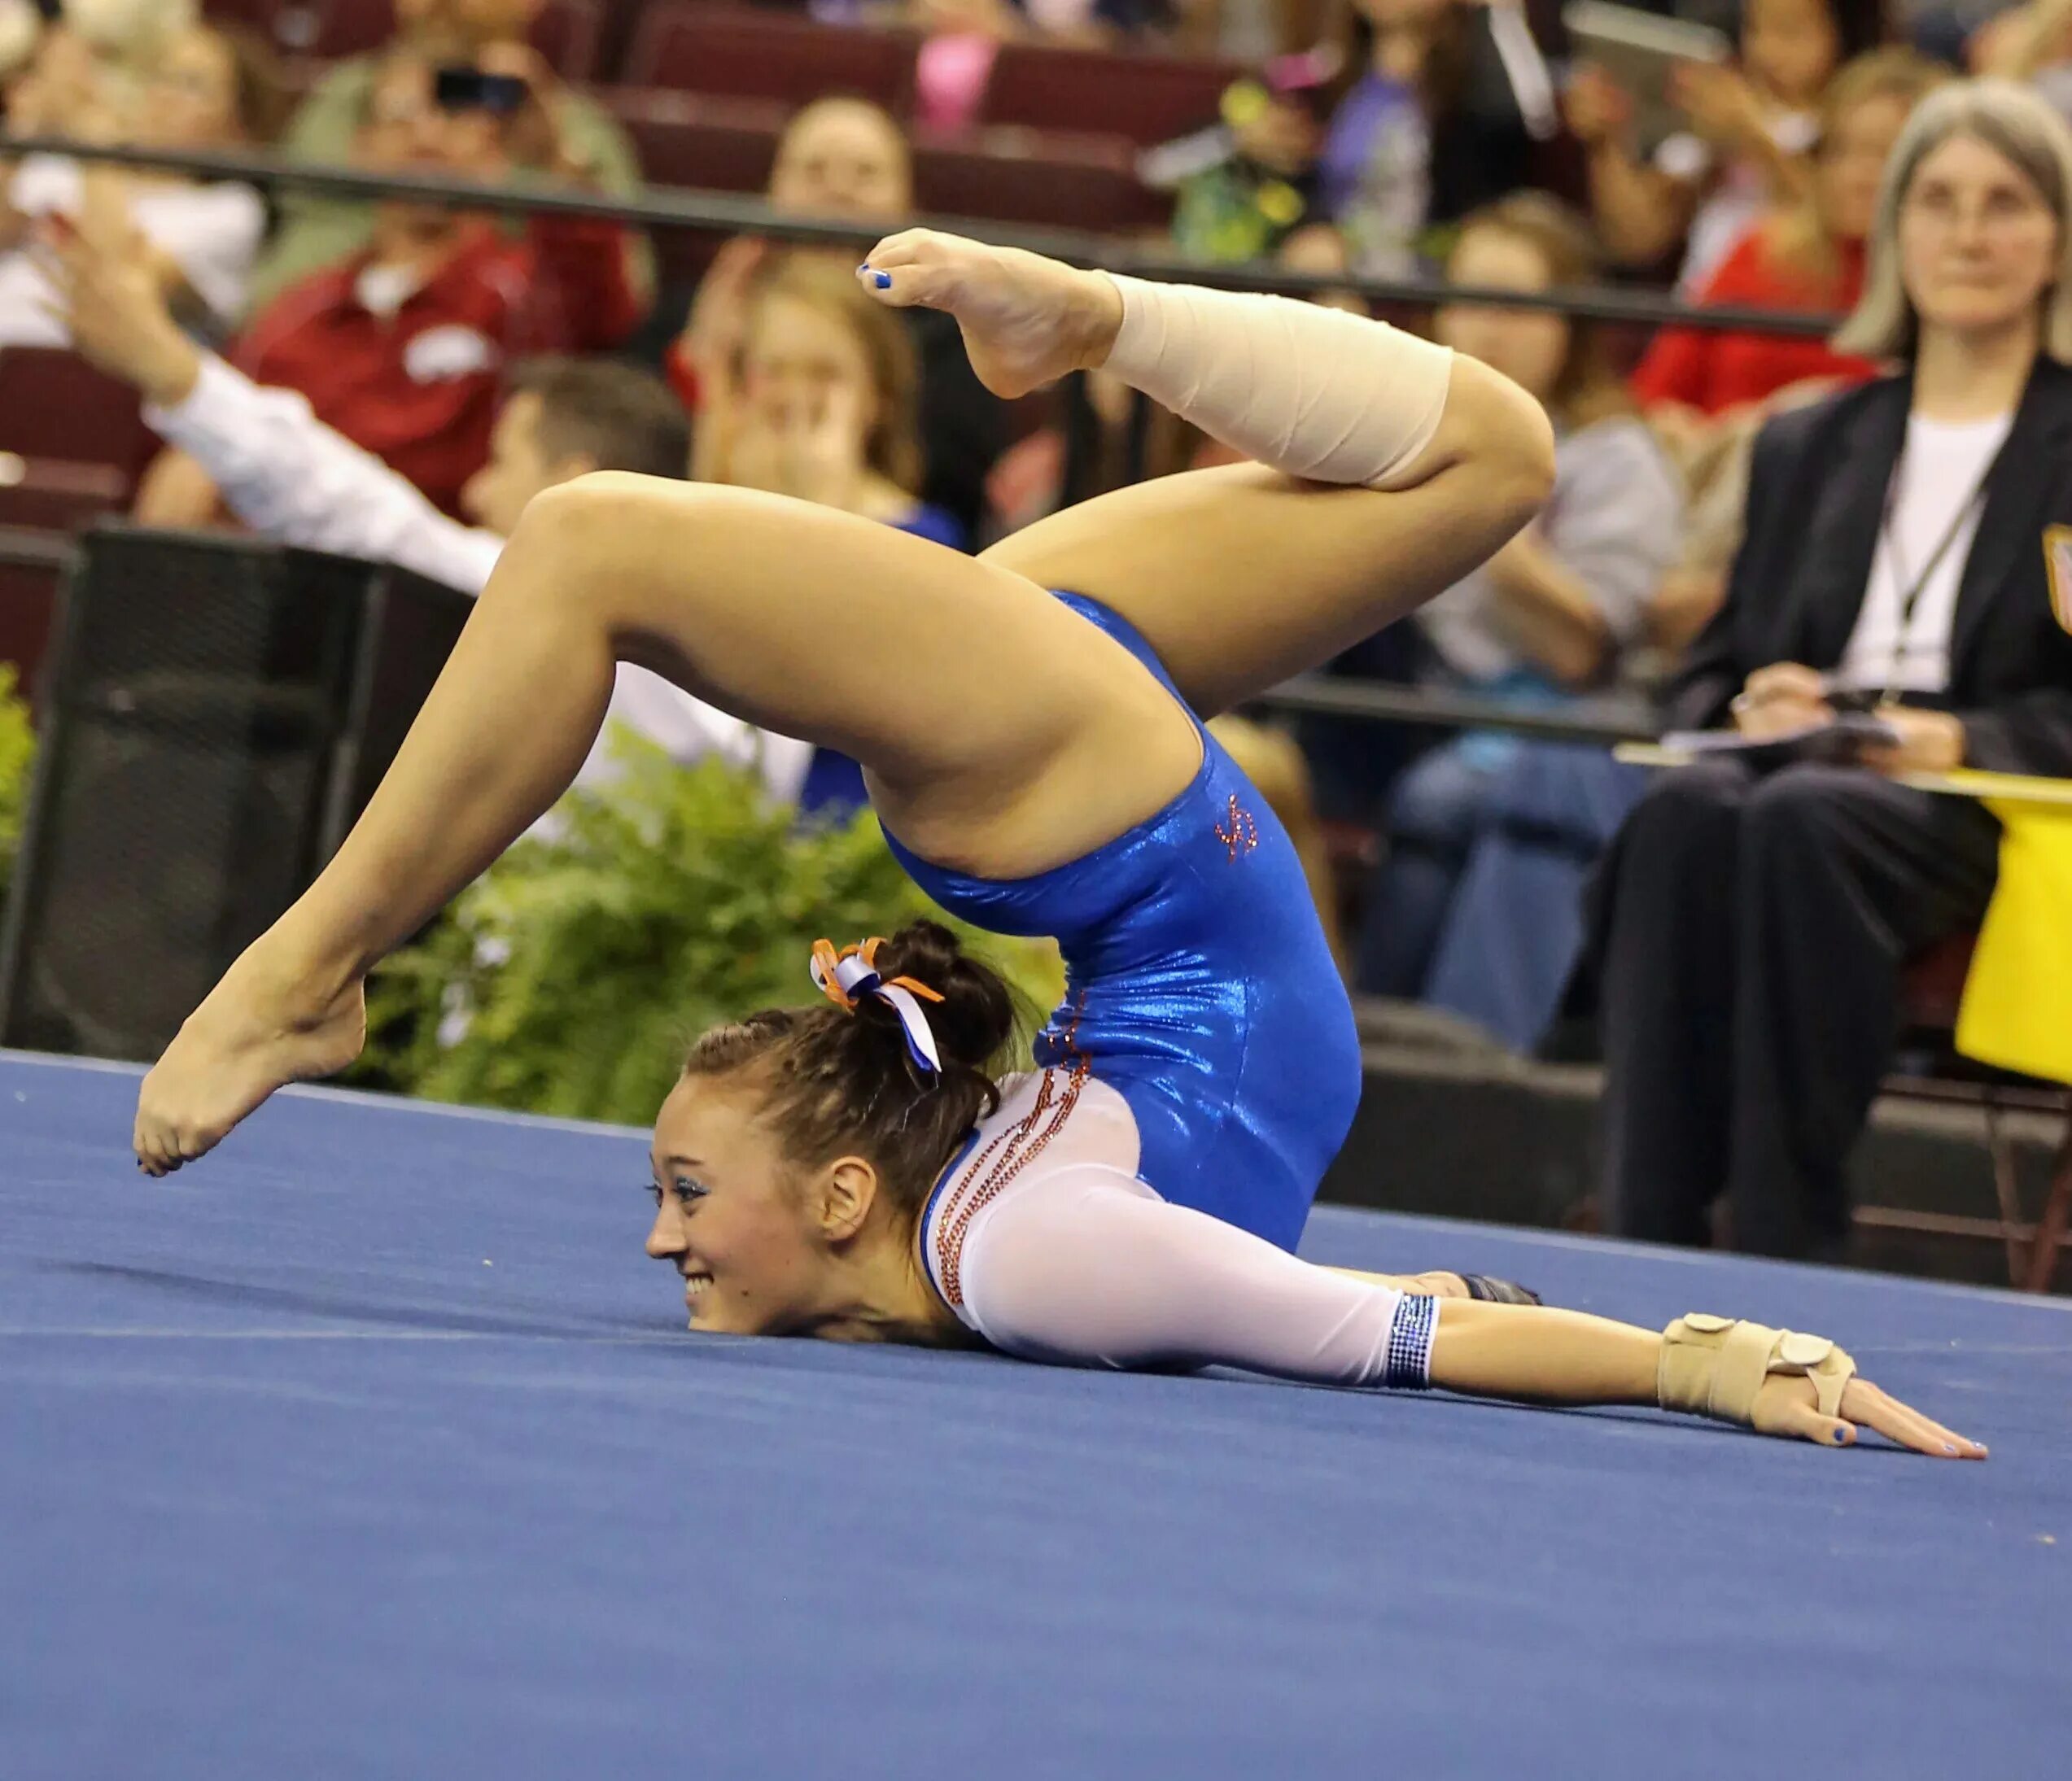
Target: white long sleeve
289, 476
1085, 1266
292, 478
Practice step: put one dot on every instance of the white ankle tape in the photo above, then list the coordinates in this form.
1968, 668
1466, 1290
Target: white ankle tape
1307, 390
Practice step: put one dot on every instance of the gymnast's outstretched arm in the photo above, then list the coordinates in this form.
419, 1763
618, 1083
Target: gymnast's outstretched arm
1087, 1268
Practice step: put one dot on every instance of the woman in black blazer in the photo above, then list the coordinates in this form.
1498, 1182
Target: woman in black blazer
1750, 929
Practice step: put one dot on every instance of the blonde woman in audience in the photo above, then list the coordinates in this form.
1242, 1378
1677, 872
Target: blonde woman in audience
823, 410
848, 159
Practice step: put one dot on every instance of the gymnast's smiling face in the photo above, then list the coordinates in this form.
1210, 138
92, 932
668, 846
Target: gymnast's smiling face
763, 1245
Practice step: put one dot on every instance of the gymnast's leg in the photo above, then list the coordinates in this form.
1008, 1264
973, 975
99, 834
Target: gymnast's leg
1385, 468
802, 620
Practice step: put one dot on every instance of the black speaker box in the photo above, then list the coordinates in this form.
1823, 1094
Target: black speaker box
216, 711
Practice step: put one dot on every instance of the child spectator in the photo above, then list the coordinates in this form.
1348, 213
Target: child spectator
401, 348
825, 407
847, 159
1247, 183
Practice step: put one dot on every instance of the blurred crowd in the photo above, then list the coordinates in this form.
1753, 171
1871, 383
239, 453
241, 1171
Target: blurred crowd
1475, 141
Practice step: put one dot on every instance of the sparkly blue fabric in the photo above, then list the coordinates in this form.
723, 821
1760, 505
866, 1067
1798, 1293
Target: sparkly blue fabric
1200, 987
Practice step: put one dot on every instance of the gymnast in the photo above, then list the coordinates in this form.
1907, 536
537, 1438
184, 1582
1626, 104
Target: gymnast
854, 1169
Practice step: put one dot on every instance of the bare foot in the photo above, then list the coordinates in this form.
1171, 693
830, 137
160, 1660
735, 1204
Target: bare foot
259, 1028
1026, 320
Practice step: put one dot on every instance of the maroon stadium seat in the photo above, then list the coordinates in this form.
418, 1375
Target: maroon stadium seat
1038, 180
1149, 98
568, 32
694, 139
334, 28
745, 54
52, 495
258, 16
55, 405
1009, 175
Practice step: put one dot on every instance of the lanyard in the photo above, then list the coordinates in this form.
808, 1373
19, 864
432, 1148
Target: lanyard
1910, 591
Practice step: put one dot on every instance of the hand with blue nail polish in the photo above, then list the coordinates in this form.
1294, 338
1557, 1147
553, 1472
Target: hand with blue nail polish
1787, 1407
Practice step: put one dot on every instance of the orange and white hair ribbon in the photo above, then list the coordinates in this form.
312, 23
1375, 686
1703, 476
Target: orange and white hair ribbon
846, 976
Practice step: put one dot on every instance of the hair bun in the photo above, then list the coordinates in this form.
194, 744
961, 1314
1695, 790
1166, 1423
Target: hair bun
975, 1021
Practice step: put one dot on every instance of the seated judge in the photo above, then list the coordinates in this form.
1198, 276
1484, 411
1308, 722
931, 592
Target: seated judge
1750, 929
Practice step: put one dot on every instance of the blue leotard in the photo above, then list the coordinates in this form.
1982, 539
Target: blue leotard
1200, 988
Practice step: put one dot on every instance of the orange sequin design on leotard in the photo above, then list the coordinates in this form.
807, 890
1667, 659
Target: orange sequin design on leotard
1242, 834
1017, 1147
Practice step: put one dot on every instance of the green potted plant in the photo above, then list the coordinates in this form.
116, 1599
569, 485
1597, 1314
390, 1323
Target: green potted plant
17, 756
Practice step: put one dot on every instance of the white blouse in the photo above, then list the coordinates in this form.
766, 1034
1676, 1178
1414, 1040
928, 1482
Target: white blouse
1939, 494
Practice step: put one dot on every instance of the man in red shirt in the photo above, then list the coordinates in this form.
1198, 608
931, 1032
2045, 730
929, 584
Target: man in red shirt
401, 348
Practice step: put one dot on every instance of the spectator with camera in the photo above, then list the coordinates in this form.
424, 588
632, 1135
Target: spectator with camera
567, 136
401, 348
1750, 922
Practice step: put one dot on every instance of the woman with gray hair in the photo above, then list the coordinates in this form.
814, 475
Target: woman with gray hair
1752, 919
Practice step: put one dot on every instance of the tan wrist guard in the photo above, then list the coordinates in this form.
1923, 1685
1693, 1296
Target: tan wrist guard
1714, 1366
